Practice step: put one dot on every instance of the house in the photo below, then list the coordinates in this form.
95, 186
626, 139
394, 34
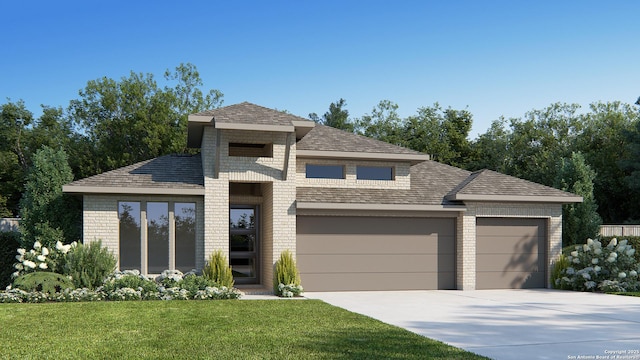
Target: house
359, 214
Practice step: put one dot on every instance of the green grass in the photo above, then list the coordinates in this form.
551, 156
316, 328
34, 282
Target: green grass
247, 329
626, 293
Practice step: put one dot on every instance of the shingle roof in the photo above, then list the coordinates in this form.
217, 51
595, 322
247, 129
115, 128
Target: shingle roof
430, 183
326, 138
490, 183
252, 114
165, 172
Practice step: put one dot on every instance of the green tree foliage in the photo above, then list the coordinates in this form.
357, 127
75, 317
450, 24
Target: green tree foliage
48, 214
607, 148
135, 119
337, 116
442, 133
580, 220
89, 264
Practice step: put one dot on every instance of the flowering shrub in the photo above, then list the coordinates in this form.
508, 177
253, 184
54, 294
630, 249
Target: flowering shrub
289, 290
592, 267
41, 258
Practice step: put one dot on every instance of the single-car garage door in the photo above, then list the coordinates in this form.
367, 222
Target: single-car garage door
375, 253
510, 253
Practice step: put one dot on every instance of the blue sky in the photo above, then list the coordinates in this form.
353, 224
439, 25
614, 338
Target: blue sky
495, 58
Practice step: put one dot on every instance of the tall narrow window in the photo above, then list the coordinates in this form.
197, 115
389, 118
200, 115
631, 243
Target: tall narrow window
185, 218
130, 246
157, 237
243, 244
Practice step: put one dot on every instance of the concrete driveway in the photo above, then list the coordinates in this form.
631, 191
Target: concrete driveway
509, 324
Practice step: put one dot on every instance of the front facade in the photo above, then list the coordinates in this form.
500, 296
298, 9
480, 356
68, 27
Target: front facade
359, 214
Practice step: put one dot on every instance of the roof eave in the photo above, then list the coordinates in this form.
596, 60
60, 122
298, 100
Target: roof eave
195, 128
413, 158
516, 198
84, 189
377, 206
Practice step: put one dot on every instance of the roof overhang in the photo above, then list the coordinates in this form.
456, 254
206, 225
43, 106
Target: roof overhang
197, 123
516, 198
372, 206
318, 154
74, 189
303, 128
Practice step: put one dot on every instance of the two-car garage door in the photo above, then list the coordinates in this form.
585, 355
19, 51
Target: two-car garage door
375, 253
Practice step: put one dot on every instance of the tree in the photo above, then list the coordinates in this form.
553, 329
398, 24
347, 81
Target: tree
607, 148
48, 215
14, 122
581, 220
337, 117
134, 119
383, 124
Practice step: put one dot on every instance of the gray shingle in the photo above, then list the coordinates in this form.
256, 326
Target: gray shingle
326, 138
488, 182
170, 171
248, 113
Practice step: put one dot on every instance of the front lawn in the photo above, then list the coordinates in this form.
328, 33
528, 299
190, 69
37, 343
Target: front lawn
247, 329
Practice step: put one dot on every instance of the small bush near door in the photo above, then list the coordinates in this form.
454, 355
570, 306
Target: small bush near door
218, 270
286, 282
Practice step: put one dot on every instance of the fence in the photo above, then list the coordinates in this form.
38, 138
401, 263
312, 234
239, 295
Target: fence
620, 230
9, 224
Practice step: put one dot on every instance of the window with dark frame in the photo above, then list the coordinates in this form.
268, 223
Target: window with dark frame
324, 171
374, 173
250, 150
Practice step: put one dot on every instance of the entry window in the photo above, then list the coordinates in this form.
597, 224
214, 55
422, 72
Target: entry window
250, 150
325, 171
374, 172
169, 239
243, 244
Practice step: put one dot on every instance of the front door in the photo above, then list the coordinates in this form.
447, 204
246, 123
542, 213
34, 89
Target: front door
244, 244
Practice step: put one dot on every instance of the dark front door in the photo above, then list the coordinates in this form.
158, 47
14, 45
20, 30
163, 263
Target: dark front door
244, 244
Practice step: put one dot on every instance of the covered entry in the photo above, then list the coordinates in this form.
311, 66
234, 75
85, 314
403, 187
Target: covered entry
375, 253
510, 253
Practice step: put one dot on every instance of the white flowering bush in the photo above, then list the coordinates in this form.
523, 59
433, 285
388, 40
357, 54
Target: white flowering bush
593, 267
289, 290
41, 258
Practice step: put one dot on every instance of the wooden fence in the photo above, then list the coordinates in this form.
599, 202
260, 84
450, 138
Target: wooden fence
620, 230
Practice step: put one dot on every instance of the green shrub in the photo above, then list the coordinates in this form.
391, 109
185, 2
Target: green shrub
9, 243
286, 279
593, 267
129, 279
89, 264
218, 270
558, 268
193, 284
631, 240
44, 282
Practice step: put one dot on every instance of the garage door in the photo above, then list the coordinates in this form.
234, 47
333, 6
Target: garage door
375, 253
510, 253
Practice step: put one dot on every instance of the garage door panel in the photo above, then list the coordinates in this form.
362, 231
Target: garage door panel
375, 253
509, 245
352, 225
510, 262
510, 253
510, 280
380, 282
368, 263
377, 244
